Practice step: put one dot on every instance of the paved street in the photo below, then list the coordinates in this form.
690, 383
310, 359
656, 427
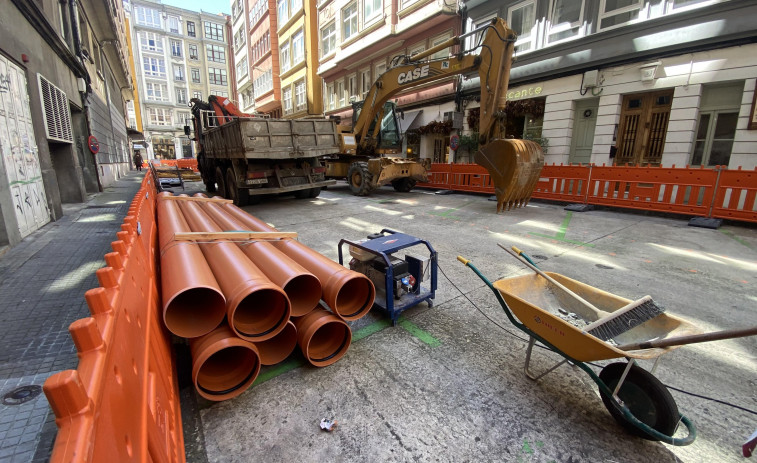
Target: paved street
447, 382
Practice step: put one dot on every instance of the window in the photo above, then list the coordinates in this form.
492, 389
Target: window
328, 39
154, 67
173, 25
372, 9
619, 12
716, 127
441, 54
284, 58
147, 16
195, 75
215, 53
380, 69
197, 95
522, 18
178, 73
300, 96
264, 83
282, 11
213, 31
261, 47
406, 3
257, 11
349, 21
330, 102
181, 96
565, 20
217, 76
286, 96
191, 29
220, 93
242, 68
240, 38
298, 47
296, 6
156, 92
159, 116
175, 49
150, 41
365, 82
183, 118
340, 93
473, 42
351, 86
193, 53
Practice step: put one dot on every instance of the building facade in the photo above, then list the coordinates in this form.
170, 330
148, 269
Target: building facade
358, 39
658, 82
264, 57
240, 30
179, 55
64, 81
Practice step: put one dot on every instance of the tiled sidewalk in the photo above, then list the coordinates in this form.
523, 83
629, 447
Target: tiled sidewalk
42, 284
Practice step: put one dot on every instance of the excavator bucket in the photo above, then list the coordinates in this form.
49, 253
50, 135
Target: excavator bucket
514, 167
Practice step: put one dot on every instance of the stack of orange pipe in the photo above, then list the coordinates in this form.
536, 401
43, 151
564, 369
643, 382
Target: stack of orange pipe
249, 303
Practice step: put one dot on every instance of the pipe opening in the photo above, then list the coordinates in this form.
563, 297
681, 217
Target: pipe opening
357, 293
304, 292
329, 343
228, 370
261, 315
279, 347
194, 312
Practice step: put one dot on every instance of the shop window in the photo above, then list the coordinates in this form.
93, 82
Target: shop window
716, 126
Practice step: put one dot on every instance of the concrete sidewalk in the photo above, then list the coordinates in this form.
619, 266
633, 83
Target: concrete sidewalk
42, 284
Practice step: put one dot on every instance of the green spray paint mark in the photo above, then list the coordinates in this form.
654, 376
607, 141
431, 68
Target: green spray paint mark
419, 333
25, 182
560, 236
527, 448
448, 213
731, 235
375, 327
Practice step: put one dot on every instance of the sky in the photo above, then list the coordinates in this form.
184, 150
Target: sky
208, 6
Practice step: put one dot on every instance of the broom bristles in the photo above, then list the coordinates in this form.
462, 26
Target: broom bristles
645, 311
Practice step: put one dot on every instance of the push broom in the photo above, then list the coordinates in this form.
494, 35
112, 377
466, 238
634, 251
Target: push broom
610, 324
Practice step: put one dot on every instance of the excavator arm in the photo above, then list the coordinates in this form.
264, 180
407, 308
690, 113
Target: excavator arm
514, 165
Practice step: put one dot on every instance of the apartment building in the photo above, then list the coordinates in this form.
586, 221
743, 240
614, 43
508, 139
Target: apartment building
659, 82
301, 87
180, 55
264, 58
358, 39
240, 30
64, 81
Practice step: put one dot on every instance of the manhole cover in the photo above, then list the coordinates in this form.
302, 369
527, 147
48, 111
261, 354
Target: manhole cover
604, 267
21, 394
540, 257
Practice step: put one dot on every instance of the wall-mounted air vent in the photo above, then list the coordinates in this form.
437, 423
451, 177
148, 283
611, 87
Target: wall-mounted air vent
56, 111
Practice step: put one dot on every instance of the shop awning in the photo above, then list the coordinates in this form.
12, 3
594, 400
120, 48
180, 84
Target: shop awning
411, 121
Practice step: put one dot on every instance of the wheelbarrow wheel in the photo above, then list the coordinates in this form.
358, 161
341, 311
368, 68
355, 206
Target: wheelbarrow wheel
646, 398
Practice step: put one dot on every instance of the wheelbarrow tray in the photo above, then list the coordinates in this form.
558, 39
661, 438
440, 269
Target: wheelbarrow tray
536, 303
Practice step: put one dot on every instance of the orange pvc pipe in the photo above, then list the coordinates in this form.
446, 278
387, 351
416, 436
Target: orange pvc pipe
223, 365
323, 337
348, 293
278, 348
302, 287
256, 308
193, 304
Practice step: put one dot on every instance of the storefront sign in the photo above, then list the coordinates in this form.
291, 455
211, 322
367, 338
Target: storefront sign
529, 92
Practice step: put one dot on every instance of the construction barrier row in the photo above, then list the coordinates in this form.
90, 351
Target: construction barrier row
121, 403
180, 163
705, 192
246, 298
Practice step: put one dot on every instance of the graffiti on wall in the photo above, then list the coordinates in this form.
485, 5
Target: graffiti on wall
18, 150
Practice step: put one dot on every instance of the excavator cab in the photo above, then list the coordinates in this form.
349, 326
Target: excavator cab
388, 138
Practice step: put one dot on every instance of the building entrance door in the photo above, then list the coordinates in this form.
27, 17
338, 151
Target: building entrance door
583, 131
643, 126
441, 149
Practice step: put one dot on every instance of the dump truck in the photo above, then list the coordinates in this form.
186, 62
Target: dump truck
514, 165
243, 156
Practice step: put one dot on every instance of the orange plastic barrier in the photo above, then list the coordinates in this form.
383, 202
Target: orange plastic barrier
187, 164
706, 192
121, 403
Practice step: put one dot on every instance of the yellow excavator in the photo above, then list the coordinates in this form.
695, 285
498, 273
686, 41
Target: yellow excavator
514, 165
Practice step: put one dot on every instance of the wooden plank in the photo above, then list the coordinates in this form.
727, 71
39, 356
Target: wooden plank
232, 235
194, 198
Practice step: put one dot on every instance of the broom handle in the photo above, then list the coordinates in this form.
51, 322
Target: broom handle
691, 339
551, 280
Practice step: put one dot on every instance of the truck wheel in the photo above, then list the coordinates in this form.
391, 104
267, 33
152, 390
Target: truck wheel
403, 185
302, 194
359, 178
314, 192
238, 195
219, 180
210, 186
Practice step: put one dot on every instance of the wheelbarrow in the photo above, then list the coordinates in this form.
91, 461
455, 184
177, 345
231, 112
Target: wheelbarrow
633, 396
